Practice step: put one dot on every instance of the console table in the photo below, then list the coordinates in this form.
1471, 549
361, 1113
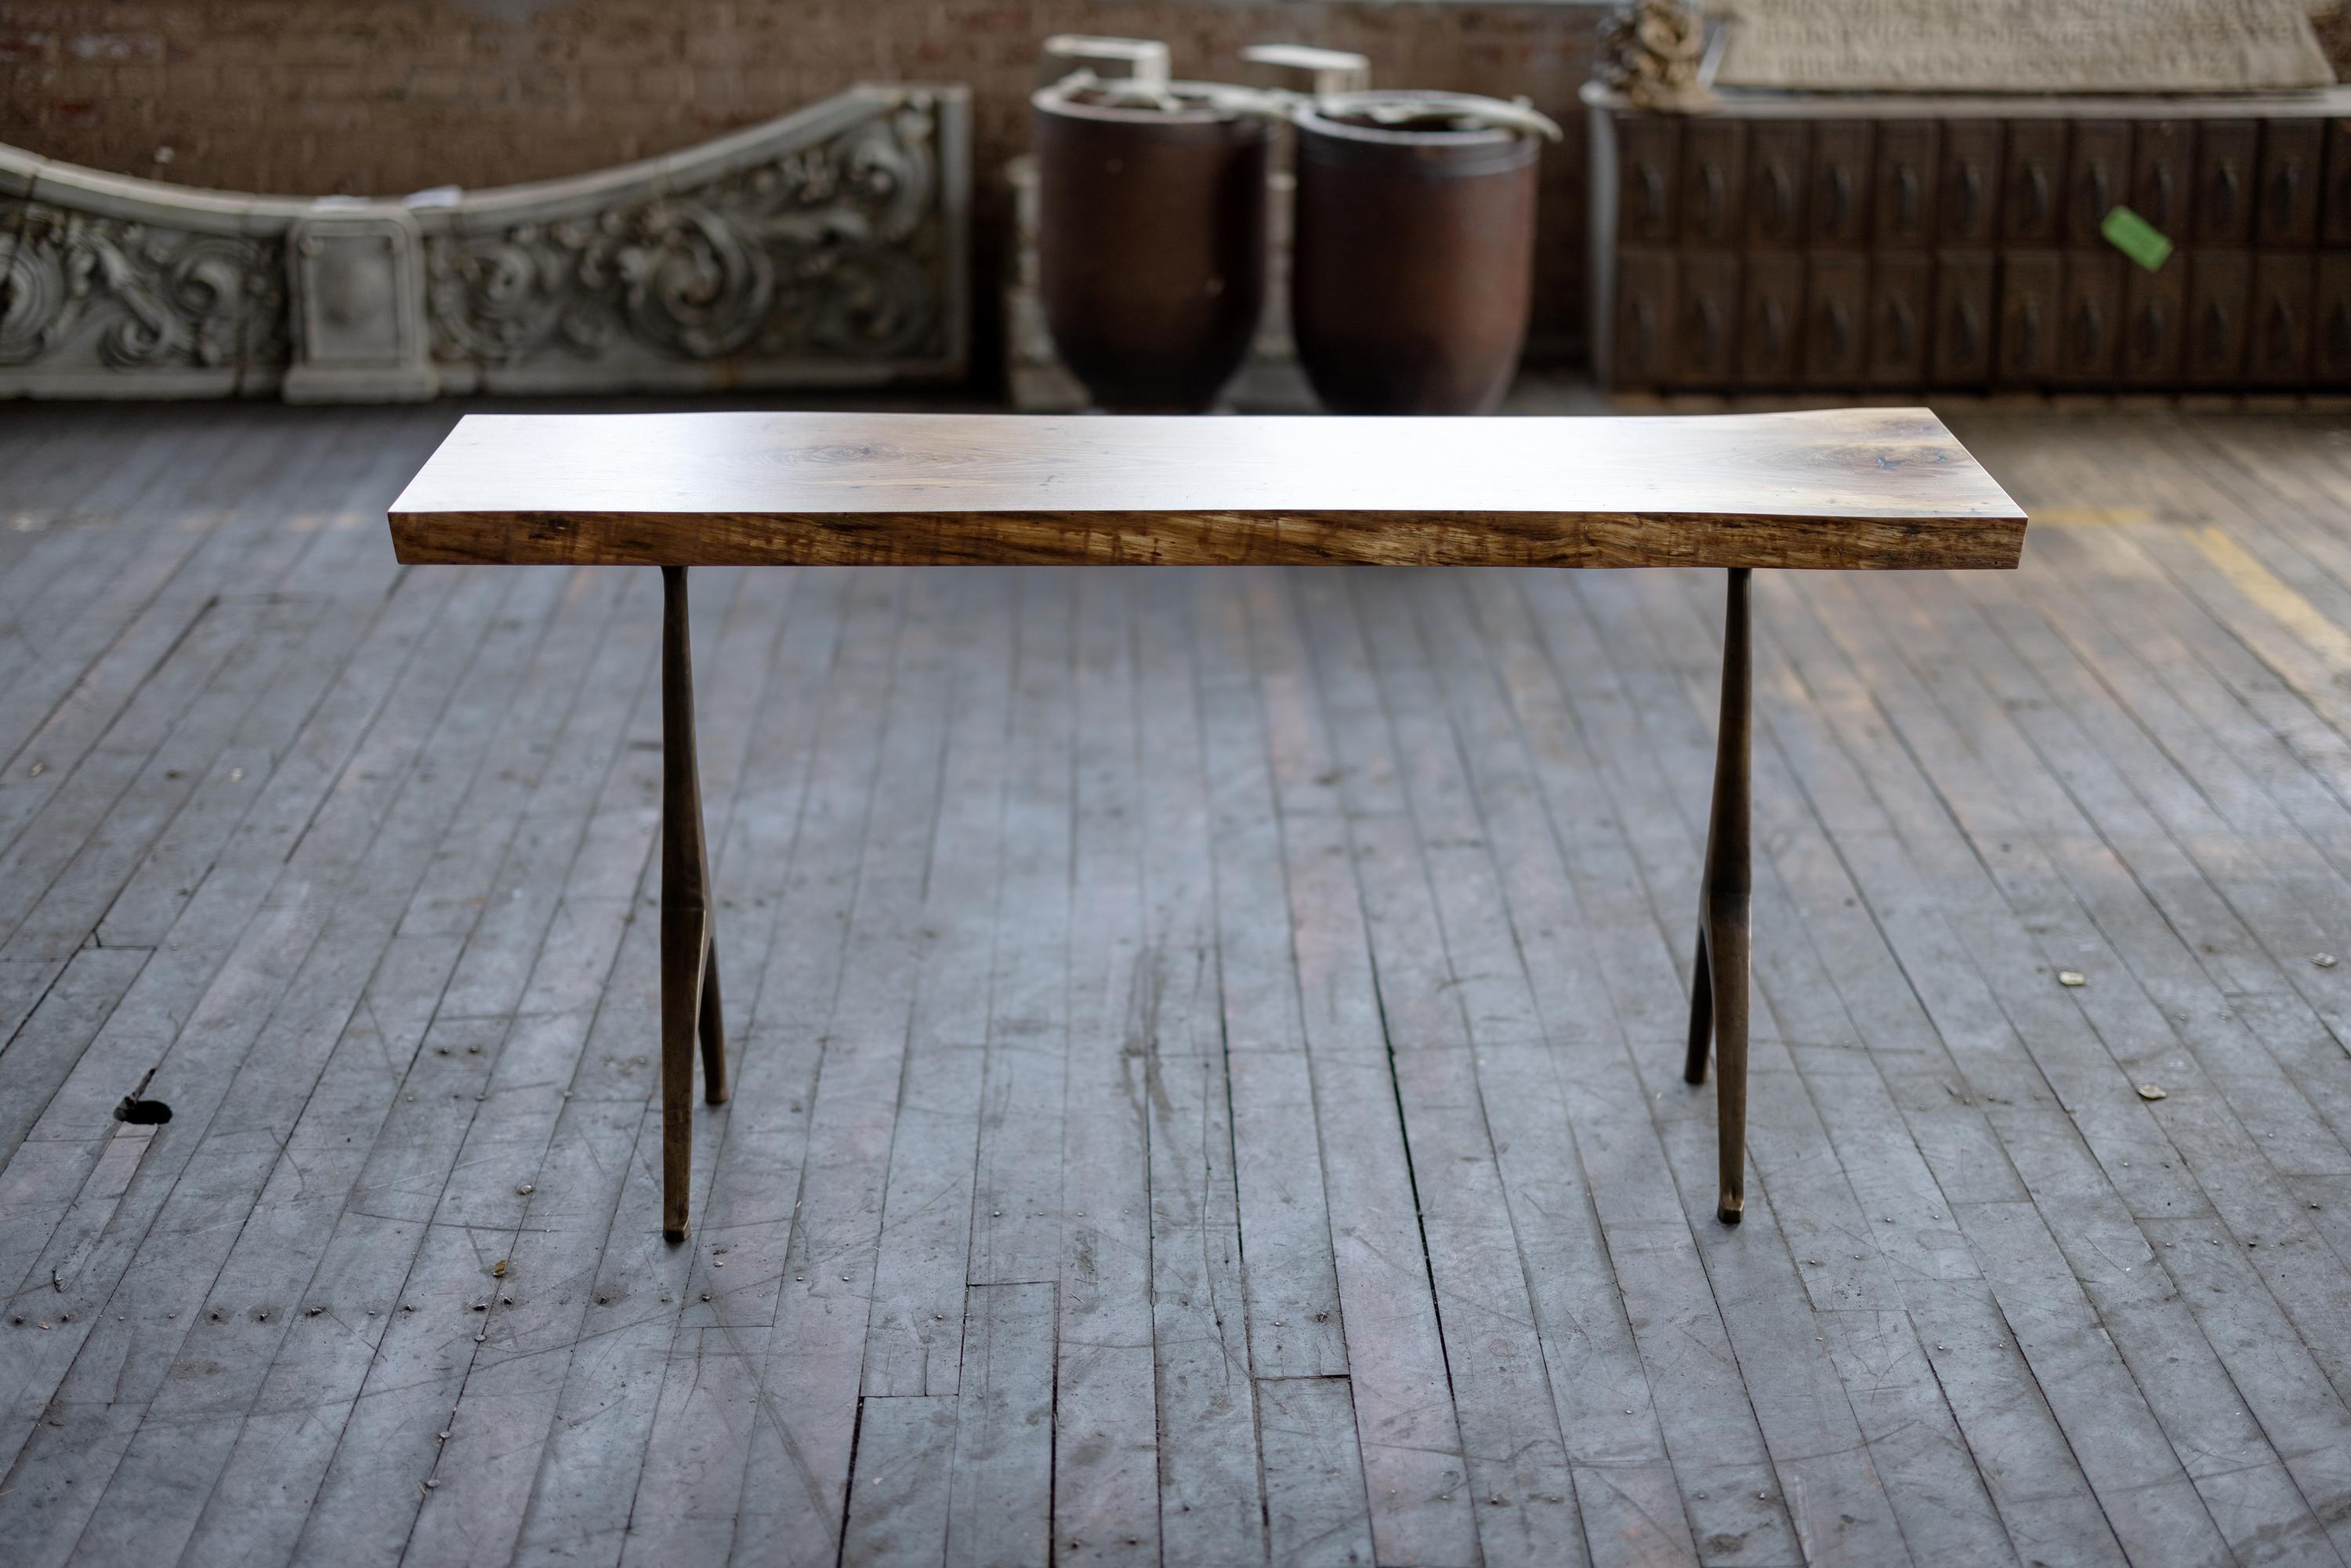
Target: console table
1846, 489
1855, 242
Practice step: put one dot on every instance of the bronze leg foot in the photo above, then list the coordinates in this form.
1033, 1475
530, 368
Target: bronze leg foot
1718, 988
689, 971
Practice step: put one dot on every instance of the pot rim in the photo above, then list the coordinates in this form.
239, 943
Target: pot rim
1058, 98
1318, 117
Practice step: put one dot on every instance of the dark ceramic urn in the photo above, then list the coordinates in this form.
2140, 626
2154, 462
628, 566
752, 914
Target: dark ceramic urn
1413, 264
1151, 243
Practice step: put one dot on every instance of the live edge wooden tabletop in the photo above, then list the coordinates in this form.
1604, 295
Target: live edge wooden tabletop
1840, 489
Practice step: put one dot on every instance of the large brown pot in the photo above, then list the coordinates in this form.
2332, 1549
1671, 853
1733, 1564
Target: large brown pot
1151, 245
1413, 270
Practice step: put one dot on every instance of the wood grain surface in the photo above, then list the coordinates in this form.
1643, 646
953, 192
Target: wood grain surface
1842, 488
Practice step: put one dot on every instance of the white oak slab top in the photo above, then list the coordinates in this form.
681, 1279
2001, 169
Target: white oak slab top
1841, 489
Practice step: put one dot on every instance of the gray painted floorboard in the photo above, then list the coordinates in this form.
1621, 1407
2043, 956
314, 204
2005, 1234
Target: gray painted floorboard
1205, 1043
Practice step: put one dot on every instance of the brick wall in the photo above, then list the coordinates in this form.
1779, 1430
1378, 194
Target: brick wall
380, 96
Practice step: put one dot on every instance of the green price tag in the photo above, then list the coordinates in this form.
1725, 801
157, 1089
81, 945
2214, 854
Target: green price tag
2135, 238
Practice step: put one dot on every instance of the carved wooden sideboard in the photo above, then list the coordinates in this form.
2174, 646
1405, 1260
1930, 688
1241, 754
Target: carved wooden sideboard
1787, 242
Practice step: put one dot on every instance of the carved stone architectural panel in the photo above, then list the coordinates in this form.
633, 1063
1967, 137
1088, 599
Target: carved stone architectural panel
821, 261
91, 305
827, 247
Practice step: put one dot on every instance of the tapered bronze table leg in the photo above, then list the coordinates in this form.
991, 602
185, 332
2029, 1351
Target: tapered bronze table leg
712, 1024
689, 961
1718, 984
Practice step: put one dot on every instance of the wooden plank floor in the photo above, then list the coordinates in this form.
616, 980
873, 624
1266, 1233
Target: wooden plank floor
1206, 1044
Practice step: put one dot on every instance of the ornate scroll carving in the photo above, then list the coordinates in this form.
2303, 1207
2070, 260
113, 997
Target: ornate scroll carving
820, 250
90, 295
825, 247
1650, 50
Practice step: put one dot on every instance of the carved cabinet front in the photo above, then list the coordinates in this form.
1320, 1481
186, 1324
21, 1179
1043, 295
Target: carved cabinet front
1850, 243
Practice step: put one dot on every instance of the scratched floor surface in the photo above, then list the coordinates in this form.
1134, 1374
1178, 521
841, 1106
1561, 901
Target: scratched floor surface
1205, 1044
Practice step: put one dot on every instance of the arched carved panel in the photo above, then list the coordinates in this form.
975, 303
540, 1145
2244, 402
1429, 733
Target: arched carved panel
827, 247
